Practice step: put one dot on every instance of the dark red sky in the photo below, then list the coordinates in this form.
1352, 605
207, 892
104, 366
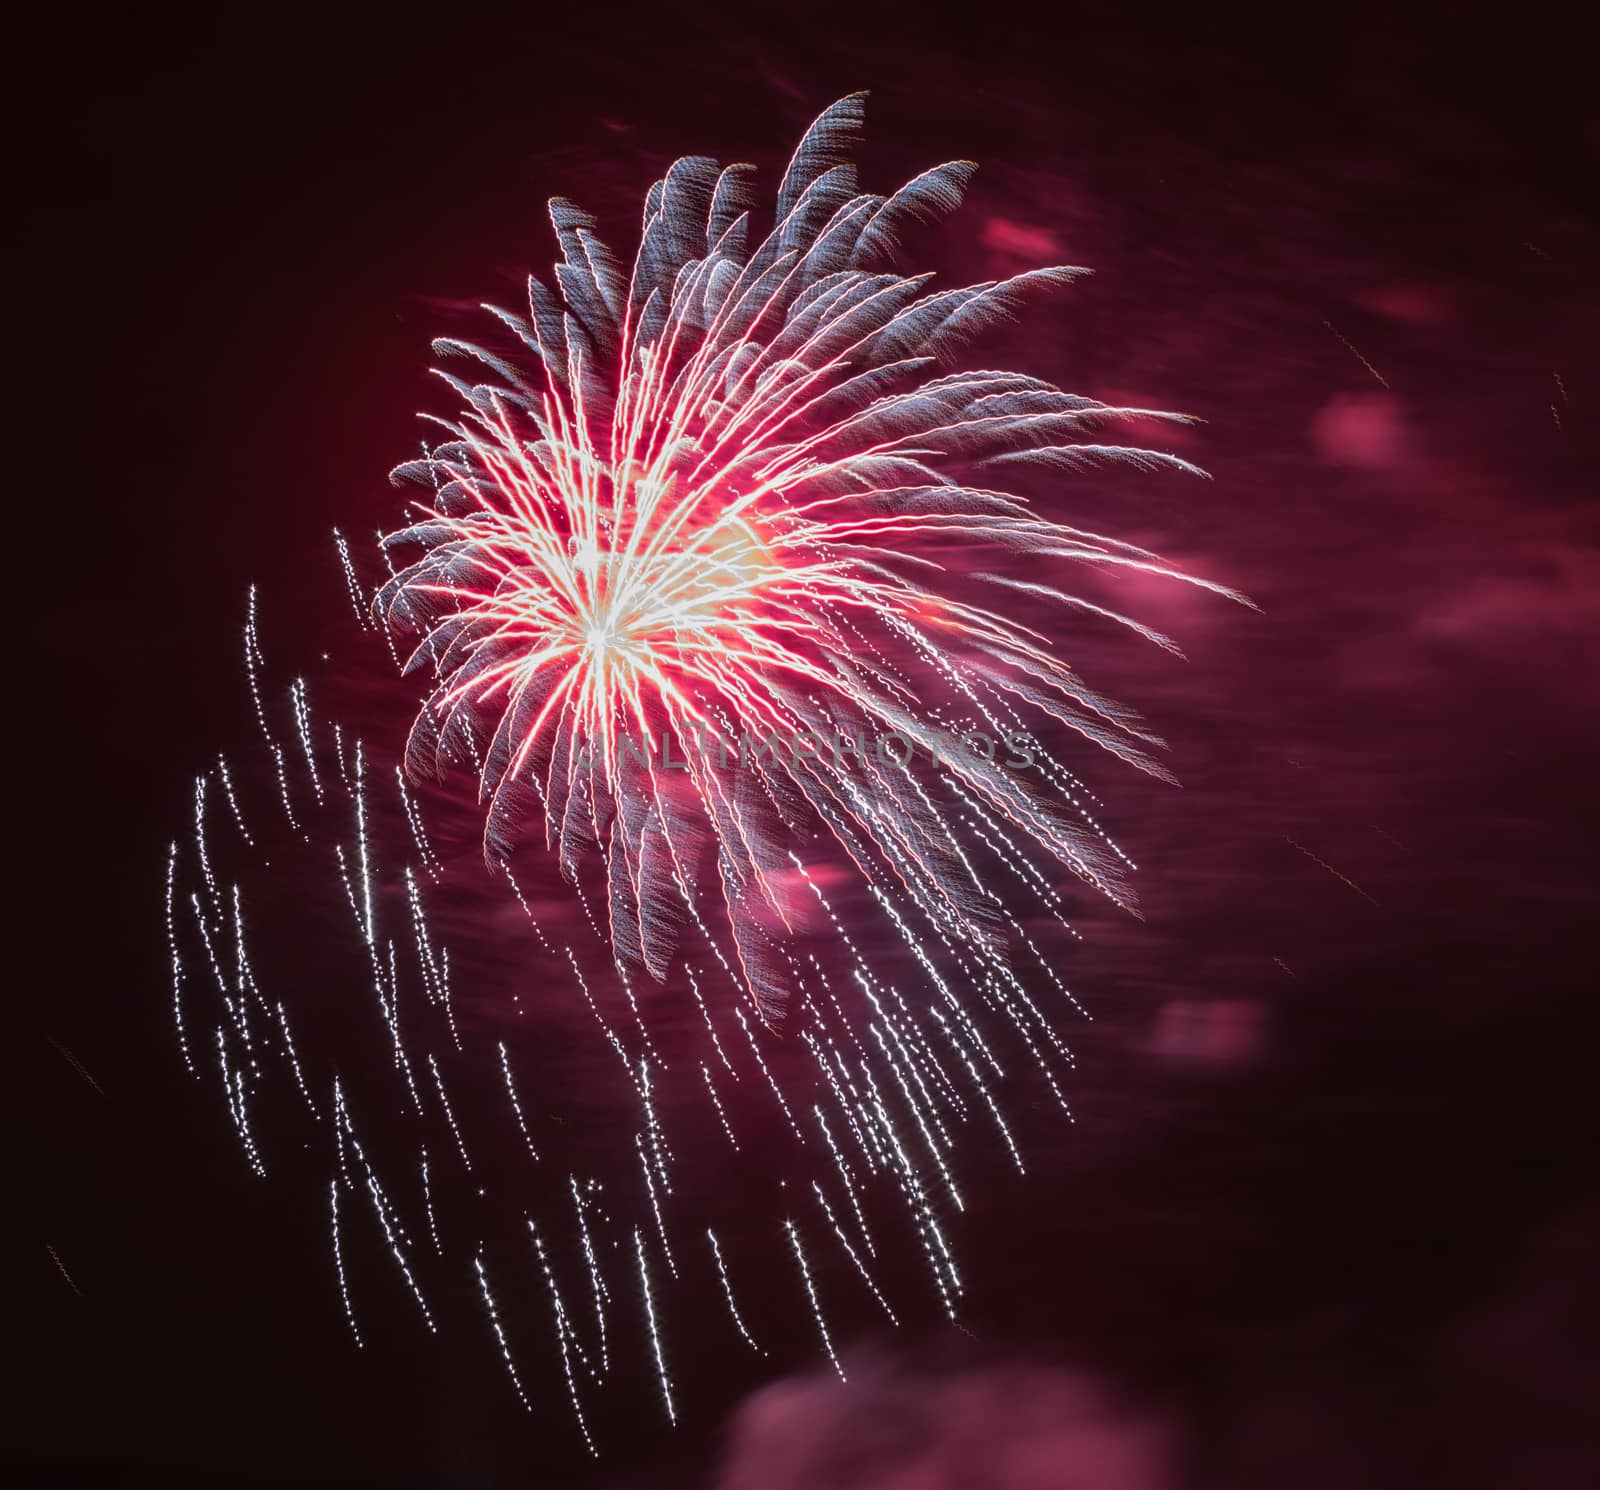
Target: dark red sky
1326, 1214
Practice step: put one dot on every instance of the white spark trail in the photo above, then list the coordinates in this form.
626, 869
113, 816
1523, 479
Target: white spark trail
727, 1293
811, 1294
338, 1263
655, 1333
499, 1332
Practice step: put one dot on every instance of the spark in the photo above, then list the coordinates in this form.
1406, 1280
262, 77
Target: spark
177, 963
777, 1091
233, 801
516, 1106
294, 1061
658, 1143
61, 1268
357, 604
705, 1014
844, 1174
392, 1233
727, 1293
564, 1335
499, 1332
302, 723
200, 836
1349, 347
655, 1205
234, 1089
414, 820
362, 852
522, 900
427, 1205
655, 1333
855, 1257
338, 1262
716, 1102
450, 1116
597, 1285
811, 1293
1322, 863
76, 1064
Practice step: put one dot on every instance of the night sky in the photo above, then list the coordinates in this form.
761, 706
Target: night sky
1329, 1212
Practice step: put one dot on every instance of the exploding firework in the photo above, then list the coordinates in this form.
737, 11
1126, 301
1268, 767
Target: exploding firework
721, 514
715, 588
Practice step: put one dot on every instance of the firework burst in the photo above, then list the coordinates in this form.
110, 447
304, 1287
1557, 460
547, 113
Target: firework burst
713, 531
711, 589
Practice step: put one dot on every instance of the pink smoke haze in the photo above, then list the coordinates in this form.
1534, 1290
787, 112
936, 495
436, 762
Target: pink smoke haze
1011, 1427
1367, 430
1034, 244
